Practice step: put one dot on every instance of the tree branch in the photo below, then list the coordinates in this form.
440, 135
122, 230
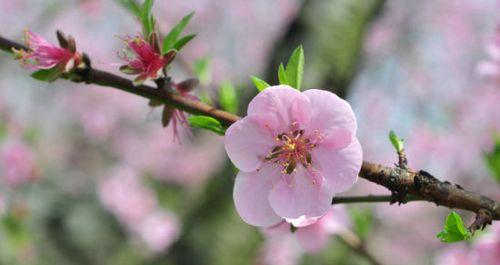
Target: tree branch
372, 199
420, 184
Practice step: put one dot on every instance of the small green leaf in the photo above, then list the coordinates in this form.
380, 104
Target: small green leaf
396, 142
47, 75
454, 229
228, 98
492, 159
259, 83
183, 41
295, 68
203, 70
175, 32
208, 123
147, 18
282, 75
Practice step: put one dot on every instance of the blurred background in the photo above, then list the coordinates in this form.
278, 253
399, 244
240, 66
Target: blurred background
89, 176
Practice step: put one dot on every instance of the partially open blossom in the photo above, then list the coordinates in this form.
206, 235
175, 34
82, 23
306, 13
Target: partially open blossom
43, 55
144, 59
18, 164
294, 151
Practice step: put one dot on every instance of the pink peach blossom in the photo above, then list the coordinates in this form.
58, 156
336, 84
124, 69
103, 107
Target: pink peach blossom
144, 59
43, 55
294, 151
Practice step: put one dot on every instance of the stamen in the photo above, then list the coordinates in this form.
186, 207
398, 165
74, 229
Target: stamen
293, 148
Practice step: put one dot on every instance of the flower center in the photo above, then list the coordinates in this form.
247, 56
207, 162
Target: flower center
293, 148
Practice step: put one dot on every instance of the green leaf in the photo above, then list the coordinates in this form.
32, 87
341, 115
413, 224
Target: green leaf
362, 221
171, 38
203, 71
47, 75
208, 123
454, 229
147, 18
259, 83
396, 142
493, 160
132, 6
183, 41
282, 75
228, 98
295, 68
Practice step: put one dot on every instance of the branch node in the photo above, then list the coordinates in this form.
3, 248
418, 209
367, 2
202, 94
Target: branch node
483, 218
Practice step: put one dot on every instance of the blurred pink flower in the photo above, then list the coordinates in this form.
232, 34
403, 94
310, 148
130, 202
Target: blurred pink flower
144, 59
158, 230
313, 238
486, 251
18, 163
280, 251
101, 112
44, 55
123, 194
294, 151
154, 152
455, 255
135, 206
491, 66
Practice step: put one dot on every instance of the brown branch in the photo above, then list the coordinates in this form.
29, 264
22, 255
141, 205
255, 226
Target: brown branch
420, 184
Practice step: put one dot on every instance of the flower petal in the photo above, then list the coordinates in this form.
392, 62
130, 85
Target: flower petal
330, 114
247, 144
283, 105
251, 196
301, 198
312, 238
340, 168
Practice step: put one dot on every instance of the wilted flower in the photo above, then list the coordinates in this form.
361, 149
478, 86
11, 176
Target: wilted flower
144, 59
177, 116
43, 55
294, 151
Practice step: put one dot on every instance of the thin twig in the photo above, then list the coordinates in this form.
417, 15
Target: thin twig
371, 199
354, 242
